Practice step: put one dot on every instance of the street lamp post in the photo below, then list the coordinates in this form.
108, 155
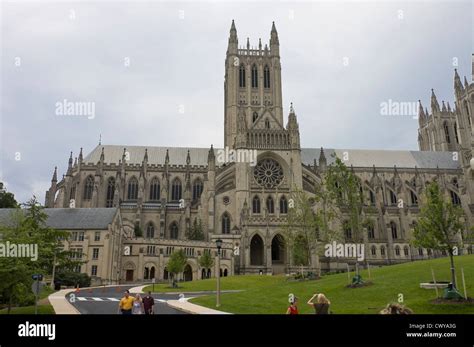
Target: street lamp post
218, 293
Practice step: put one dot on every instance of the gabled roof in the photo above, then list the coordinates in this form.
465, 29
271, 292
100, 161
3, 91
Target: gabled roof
68, 218
356, 157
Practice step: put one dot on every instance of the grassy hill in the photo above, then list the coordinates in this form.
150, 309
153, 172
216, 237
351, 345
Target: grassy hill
269, 294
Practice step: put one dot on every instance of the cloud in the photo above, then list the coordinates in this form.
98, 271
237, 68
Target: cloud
176, 52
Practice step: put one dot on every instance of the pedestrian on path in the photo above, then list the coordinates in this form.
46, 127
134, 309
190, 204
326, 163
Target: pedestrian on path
149, 304
137, 305
126, 303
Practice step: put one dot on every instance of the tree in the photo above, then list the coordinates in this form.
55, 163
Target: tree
7, 200
346, 192
301, 227
176, 263
28, 227
195, 231
206, 261
439, 224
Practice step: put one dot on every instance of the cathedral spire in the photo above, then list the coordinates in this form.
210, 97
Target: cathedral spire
466, 83
457, 82
69, 163
322, 160
188, 158
434, 102
211, 159
233, 40
145, 157
274, 42
55, 175
80, 156
421, 114
102, 156
443, 108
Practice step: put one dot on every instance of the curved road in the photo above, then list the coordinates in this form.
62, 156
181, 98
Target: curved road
105, 300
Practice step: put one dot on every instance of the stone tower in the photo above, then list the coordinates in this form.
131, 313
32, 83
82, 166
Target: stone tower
252, 86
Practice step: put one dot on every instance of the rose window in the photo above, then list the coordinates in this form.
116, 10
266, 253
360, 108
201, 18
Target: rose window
268, 173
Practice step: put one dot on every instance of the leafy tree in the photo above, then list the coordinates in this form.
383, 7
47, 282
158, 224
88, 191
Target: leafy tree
7, 200
345, 191
176, 263
439, 224
195, 231
28, 227
206, 261
301, 227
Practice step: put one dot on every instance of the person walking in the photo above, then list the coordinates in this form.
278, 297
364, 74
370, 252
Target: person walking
137, 305
149, 304
321, 306
126, 303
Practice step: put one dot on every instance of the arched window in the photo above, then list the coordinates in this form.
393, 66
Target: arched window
256, 205
456, 132
420, 251
371, 232
455, 182
146, 273
254, 117
88, 188
406, 251
155, 189
446, 132
174, 232
197, 189
72, 193
283, 205
382, 251
347, 230
393, 228
397, 250
270, 205
225, 224
455, 198
176, 190
414, 198
266, 77
373, 250
393, 197
150, 231
254, 76
267, 124
109, 198
132, 189
242, 76
372, 197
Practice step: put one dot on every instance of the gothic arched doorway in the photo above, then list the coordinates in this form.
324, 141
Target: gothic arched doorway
278, 249
256, 250
188, 273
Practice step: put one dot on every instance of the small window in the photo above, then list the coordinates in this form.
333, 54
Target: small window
150, 231
225, 224
81, 236
155, 190
242, 76
254, 117
373, 250
393, 198
393, 228
95, 253
176, 190
94, 270
406, 251
382, 251
397, 250
414, 198
197, 189
97, 236
267, 124
132, 189
420, 251
109, 200
266, 77
256, 205
371, 232
254, 77
88, 188
270, 205
283, 205
174, 231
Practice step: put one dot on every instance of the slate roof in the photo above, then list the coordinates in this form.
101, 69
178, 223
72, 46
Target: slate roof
357, 157
69, 218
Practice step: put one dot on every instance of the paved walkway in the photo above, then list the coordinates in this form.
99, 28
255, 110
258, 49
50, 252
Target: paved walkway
185, 306
60, 304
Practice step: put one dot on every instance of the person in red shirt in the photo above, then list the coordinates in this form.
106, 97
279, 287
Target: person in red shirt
293, 308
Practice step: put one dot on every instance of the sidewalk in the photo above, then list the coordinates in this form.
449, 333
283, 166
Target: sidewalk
188, 307
60, 304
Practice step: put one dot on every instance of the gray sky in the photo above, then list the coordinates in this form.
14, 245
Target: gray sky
340, 61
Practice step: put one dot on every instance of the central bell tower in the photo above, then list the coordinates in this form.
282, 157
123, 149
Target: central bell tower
252, 86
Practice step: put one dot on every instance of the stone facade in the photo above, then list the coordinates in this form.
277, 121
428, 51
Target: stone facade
163, 190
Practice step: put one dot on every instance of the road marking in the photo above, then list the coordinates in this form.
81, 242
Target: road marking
160, 300
97, 299
113, 299
81, 298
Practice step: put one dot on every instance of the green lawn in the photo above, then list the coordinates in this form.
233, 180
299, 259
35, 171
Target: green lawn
43, 307
269, 294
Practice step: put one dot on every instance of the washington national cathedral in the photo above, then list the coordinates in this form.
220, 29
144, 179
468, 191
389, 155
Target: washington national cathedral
130, 207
